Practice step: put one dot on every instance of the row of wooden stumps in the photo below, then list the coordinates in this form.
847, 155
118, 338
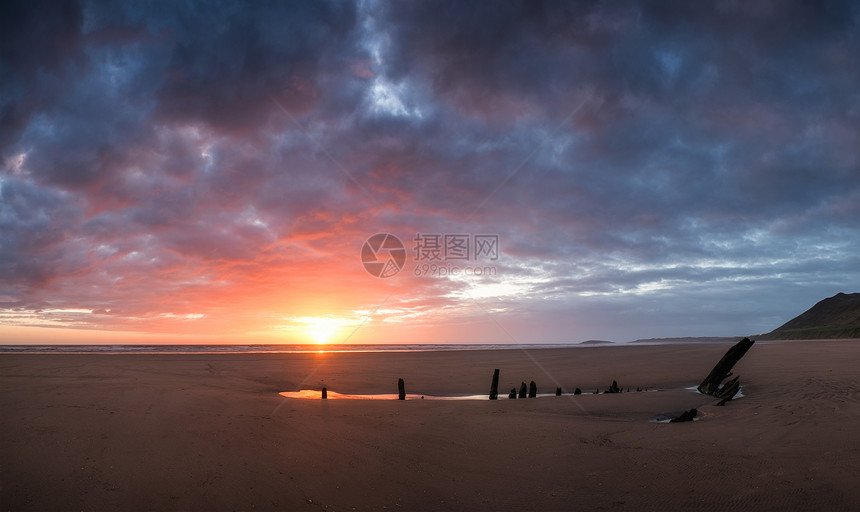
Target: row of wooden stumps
524, 392
531, 391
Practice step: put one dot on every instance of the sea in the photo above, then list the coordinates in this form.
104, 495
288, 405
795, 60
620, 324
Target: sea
268, 349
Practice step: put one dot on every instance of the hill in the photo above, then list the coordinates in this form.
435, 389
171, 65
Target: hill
697, 339
595, 342
834, 317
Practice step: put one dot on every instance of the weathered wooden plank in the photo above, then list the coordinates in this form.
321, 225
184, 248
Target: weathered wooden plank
723, 369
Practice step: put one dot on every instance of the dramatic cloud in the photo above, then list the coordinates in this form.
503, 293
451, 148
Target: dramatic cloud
210, 171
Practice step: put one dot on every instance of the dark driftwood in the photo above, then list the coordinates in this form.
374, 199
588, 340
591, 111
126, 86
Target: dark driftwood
685, 416
494, 387
713, 383
523, 390
324, 393
401, 390
532, 389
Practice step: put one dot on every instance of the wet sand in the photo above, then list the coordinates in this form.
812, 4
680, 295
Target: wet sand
211, 432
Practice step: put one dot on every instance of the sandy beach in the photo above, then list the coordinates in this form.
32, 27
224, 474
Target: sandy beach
211, 432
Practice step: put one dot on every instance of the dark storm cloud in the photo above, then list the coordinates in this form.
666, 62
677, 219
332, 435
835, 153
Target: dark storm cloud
229, 59
710, 111
219, 64
35, 231
38, 40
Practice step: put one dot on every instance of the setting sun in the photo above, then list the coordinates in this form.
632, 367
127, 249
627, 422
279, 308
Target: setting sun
321, 330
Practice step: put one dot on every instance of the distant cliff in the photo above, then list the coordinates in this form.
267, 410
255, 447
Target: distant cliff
835, 317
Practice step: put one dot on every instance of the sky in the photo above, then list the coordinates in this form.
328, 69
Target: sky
550, 172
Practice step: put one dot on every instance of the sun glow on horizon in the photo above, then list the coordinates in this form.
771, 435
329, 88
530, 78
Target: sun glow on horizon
321, 330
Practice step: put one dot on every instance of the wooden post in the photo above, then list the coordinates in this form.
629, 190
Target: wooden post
523, 391
324, 393
532, 389
557, 391
494, 387
401, 390
513, 393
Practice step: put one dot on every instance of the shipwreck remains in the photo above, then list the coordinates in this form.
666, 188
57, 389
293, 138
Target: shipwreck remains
713, 383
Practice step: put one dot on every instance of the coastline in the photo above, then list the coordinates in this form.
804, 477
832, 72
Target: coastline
280, 348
